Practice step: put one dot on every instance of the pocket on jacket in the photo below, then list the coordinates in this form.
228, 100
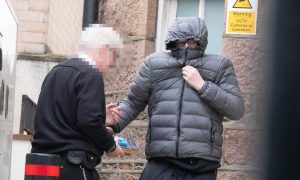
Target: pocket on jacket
148, 135
212, 130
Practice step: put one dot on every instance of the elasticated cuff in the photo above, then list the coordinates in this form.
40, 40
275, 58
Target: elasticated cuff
204, 87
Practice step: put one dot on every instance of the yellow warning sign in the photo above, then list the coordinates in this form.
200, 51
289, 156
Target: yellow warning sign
242, 22
245, 4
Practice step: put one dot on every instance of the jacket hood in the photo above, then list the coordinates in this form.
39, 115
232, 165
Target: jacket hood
184, 28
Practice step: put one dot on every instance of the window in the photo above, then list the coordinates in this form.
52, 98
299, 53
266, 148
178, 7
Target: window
212, 11
187, 8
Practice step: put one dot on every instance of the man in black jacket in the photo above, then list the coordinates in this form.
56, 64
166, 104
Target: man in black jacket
71, 111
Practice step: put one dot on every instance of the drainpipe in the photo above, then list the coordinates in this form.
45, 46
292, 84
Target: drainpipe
89, 11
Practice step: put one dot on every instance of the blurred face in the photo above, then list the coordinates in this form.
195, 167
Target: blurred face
105, 58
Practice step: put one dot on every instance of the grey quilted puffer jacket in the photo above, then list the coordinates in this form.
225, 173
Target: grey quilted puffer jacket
184, 122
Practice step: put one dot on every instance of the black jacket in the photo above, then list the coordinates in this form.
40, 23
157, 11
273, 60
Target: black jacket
71, 111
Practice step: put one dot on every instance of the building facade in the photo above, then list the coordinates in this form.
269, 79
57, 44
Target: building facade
49, 29
144, 24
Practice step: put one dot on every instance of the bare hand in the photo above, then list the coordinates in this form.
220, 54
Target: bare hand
192, 77
112, 114
118, 152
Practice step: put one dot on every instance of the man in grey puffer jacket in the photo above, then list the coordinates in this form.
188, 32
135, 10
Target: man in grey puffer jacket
188, 93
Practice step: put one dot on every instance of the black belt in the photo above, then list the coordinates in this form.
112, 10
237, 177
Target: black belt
82, 158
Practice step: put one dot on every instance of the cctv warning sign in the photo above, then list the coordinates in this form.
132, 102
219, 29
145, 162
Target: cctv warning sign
241, 17
242, 4
241, 22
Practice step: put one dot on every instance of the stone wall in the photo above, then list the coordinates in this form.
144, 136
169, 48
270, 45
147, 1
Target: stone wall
48, 26
241, 138
33, 25
65, 25
136, 21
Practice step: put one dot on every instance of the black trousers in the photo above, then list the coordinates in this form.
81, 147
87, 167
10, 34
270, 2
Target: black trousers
69, 171
155, 170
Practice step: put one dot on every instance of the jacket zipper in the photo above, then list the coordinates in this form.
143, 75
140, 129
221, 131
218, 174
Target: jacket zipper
180, 106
